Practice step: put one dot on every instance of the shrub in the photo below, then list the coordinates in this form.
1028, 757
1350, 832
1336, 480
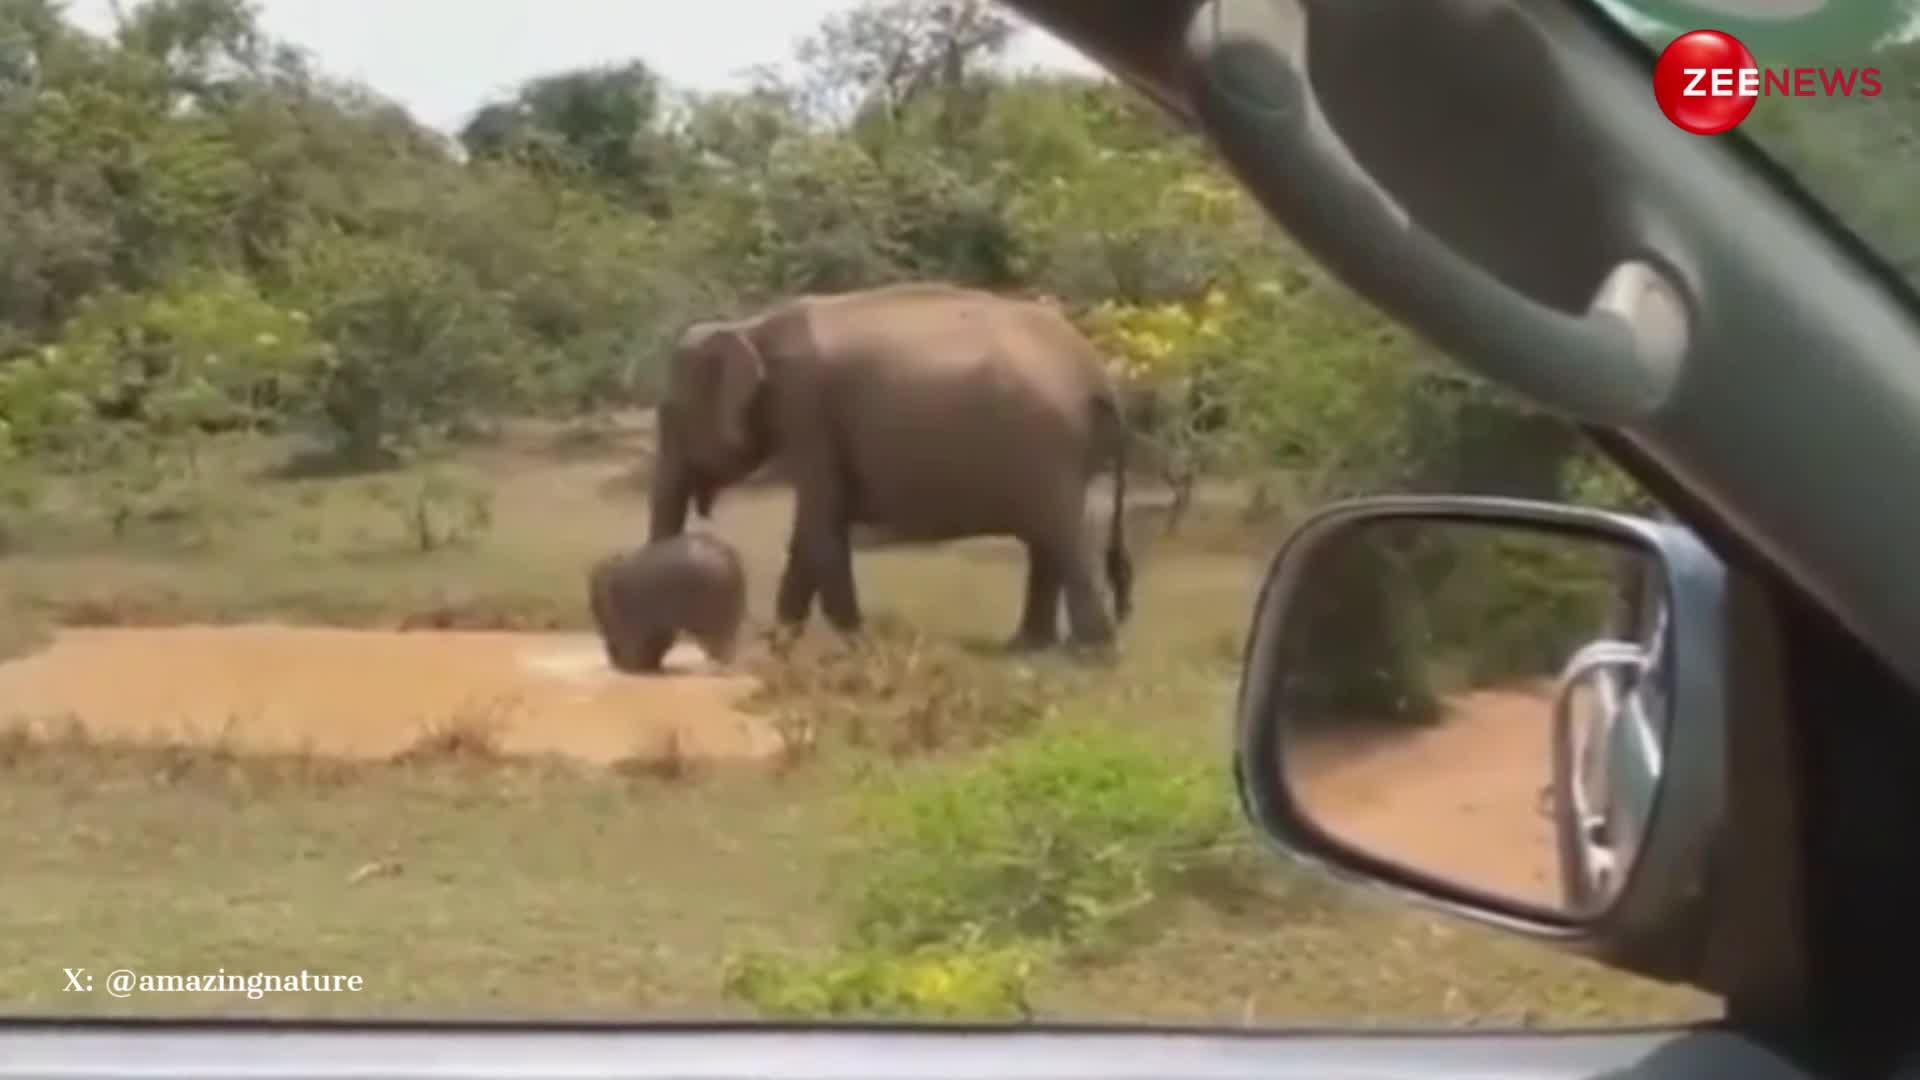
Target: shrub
420, 350
944, 981
438, 509
970, 882
1497, 604
1356, 644
897, 689
1398, 617
1054, 838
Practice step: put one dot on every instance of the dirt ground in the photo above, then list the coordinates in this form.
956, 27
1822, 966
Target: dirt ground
371, 694
1460, 799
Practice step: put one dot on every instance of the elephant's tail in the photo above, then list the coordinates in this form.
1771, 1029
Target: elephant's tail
1119, 563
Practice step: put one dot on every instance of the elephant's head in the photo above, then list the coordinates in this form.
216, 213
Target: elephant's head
710, 431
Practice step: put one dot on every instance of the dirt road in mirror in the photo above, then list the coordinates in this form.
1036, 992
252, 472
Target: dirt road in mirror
1460, 799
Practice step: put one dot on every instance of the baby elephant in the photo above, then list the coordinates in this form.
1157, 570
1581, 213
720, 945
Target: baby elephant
643, 598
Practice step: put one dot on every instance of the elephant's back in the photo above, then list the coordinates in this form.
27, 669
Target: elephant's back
961, 375
919, 334
959, 414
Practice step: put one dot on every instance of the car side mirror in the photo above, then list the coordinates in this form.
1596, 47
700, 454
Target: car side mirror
1509, 709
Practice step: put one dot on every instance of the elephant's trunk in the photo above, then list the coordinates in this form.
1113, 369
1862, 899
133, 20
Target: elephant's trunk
667, 505
676, 484
671, 488
674, 489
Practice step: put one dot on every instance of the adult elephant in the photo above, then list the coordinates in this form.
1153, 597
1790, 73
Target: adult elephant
924, 412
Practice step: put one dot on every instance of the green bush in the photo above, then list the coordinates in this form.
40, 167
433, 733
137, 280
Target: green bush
969, 881
1358, 646
936, 981
420, 349
1400, 615
1053, 838
206, 353
1500, 604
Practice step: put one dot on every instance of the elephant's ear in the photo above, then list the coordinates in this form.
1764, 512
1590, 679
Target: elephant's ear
736, 373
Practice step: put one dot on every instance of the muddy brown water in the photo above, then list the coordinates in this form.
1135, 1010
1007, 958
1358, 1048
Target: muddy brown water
371, 694
1459, 798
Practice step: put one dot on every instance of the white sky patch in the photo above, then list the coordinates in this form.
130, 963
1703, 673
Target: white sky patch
442, 59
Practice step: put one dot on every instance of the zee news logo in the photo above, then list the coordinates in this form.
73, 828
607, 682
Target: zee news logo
1706, 82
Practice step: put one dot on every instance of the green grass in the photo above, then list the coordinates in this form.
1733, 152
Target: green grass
923, 766
451, 887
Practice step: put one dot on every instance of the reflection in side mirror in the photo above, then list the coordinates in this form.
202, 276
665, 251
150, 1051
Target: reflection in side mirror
1606, 757
1480, 701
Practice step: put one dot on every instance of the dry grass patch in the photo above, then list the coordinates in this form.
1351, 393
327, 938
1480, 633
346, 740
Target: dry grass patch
896, 690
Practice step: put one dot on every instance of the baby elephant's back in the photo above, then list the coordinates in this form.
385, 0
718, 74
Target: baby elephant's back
711, 561
687, 580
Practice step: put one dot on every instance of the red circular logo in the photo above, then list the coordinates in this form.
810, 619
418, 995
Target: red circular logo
1706, 81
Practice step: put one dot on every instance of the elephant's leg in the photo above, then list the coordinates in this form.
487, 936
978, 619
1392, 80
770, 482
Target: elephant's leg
621, 642
605, 621
623, 652
821, 547
1087, 619
839, 600
609, 633
721, 648
794, 601
822, 564
720, 638
1040, 617
650, 652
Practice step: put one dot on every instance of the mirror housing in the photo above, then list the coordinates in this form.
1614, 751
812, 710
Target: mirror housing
1654, 923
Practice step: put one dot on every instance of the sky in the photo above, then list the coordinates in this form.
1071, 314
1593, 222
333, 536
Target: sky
444, 58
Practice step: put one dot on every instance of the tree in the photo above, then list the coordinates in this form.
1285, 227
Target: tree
879, 57
419, 351
605, 121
